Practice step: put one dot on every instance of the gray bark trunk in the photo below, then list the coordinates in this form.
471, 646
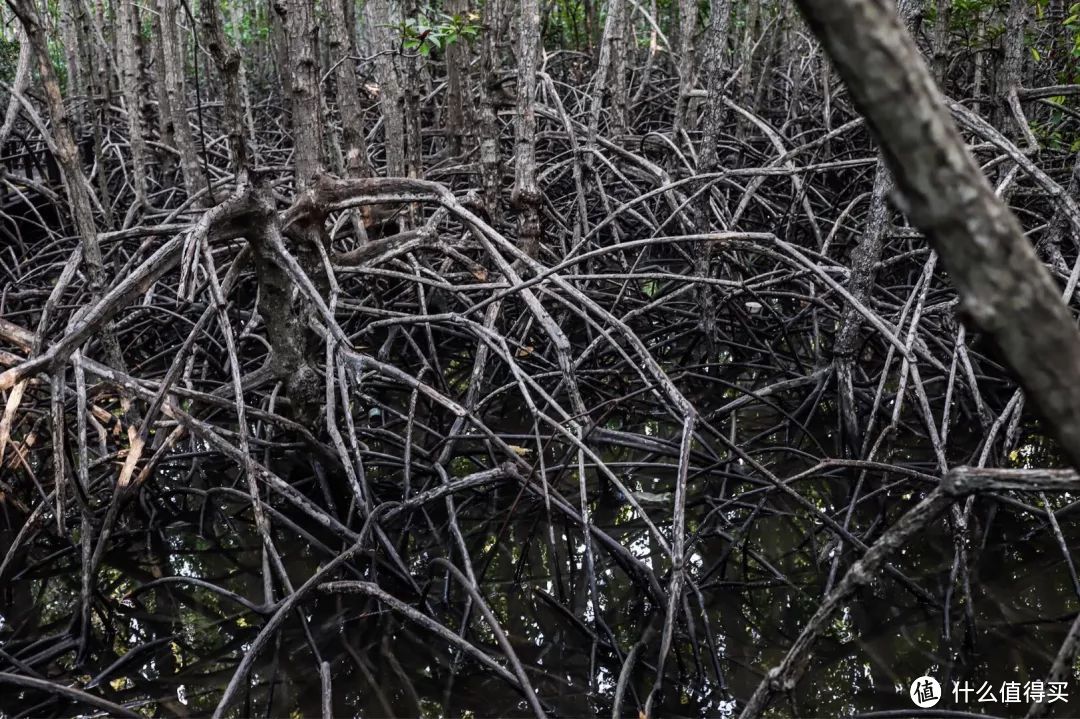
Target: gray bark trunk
227, 59
391, 97
129, 87
306, 107
526, 193
1003, 286
713, 64
348, 92
685, 63
174, 77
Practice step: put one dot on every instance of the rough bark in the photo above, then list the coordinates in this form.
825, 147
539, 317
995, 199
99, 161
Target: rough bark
348, 92
490, 156
685, 64
606, 68
391, 97
127, 31
227, 59
713, 61
456, 84
864, 261
306, 108
526, 193
943, 8
1004, 288
174, 78
1010, 77
621, 47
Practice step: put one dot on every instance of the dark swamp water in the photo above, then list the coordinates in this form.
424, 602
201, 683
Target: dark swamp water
175, 646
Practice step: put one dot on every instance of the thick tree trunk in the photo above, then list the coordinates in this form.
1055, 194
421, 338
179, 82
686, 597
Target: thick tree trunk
1003, 287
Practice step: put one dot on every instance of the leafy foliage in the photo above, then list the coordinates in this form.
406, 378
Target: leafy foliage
9, 59
434, 30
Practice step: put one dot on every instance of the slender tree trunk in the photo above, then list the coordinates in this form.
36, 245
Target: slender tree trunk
306, 108
685, 64
456, 73
1059, 223
227, 59
236, 14
526, 193
279, 43
130, 89
76, 84
67, 154
1011, 76
1058, 46
166, 160
604, 80
978, 80
943, 10
769, 61
391, 97
490, 156
864, 263
174, 78
75, 183
744, 82
621, 49
713, 64
348, 92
